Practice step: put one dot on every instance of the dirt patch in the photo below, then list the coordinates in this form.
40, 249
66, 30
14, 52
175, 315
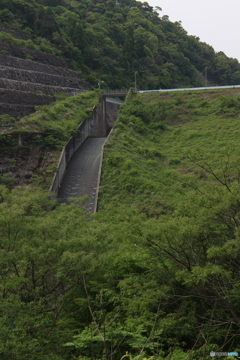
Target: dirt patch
21, 164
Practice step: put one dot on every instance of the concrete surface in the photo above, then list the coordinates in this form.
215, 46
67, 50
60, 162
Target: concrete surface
82, 173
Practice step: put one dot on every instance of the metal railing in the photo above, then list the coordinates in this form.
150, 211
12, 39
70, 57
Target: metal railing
116, 91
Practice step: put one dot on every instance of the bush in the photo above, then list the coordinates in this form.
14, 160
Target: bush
6, 120
6, 140
8, 181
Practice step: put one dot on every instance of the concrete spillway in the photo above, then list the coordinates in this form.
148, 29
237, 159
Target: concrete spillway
82, 173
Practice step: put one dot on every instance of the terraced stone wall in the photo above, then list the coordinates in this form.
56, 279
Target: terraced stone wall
26, 83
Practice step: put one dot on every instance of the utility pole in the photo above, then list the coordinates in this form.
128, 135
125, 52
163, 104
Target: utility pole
206, 76
99, 83
135, 81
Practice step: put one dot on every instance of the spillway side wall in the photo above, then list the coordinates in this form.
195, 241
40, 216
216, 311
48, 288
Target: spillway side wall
91, 127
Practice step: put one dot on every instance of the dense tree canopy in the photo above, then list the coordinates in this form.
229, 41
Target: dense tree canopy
111, 40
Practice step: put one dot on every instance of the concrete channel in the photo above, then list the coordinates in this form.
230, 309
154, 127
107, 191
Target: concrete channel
79, 168
82, 174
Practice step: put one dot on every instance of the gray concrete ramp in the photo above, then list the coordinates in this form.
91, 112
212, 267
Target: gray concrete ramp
82, 173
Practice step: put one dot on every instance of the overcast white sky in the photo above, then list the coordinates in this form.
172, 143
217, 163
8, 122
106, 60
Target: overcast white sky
215, 22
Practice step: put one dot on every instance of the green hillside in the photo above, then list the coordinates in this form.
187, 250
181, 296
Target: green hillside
156, 271
166, 138
111, 42
154, 275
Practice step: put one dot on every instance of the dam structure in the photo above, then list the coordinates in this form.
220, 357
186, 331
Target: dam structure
83, 172
79, 168
80, 174
30, 79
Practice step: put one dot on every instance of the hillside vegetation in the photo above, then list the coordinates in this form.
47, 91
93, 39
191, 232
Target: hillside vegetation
156, 273
163, 138
111, 42
43, 133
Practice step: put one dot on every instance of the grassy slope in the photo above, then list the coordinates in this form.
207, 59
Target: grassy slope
175, 158
62, 117
50, 127
162, 141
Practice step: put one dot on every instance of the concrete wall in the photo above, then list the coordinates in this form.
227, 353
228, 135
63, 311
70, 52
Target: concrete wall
16, 110
38, 77
99, 125
27, 83
35, 87
18, 63
112, 109
95, 126
24, 98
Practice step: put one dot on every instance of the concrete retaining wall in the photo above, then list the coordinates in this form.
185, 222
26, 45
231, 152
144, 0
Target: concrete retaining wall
38, 77
19, 63
99, 125
23, 97
111, 112
16, 110
91, 127
23, 81
35, 87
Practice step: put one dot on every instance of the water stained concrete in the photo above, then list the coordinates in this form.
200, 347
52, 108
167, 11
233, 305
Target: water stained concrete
81, 176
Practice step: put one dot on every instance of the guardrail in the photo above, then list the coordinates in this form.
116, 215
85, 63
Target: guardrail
119, 92
192, 89
116, 91
110, 92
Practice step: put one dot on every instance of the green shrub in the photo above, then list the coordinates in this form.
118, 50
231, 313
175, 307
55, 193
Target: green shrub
115, 159
8, 181
7, 140
174, 161
6, 120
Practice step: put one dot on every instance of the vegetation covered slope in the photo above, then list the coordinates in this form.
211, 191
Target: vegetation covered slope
111, 42
44, 133
156, 273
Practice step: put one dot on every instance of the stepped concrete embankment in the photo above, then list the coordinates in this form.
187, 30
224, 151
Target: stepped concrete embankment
24, 97
23, 64
35, 87
38, 77
26, 83
16, 110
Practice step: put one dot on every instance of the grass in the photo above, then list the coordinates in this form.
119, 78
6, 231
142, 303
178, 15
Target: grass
164, 141
61, 119
49, 127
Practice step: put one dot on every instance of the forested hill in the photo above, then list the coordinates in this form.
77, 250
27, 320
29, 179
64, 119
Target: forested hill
115, 41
